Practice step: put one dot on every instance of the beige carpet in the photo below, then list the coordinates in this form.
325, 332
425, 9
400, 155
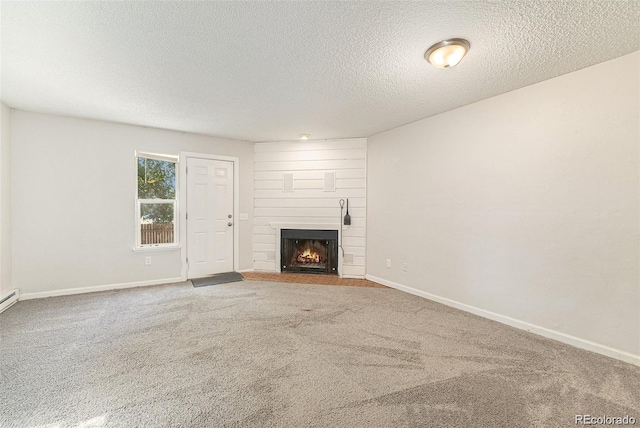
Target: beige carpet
265, 355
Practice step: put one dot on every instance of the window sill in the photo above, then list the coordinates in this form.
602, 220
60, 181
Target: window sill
152, 249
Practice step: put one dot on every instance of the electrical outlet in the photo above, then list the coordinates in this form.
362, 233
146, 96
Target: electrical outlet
389, 263
147, 260
405, 267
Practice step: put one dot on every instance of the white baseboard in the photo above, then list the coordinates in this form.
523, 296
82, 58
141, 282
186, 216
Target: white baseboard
92, 289
245, 270
9, 299
522, 325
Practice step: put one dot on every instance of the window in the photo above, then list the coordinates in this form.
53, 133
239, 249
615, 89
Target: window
156, 208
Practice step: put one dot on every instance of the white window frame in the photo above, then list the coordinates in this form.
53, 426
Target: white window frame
176, 216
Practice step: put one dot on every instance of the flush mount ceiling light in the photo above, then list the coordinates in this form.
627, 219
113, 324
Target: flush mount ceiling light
304, 136
447, 53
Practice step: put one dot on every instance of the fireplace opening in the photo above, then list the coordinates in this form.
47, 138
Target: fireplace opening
309, 251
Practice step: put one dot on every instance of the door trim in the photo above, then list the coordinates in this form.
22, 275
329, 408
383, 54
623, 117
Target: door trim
182, 204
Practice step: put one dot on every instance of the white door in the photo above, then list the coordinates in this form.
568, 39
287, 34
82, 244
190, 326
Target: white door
210, 219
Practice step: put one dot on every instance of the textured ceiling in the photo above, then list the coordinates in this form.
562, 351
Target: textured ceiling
264, 71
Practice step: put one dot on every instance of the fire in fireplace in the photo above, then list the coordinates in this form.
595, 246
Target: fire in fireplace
311, 251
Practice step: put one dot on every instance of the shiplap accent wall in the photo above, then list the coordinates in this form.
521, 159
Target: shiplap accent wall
309, 202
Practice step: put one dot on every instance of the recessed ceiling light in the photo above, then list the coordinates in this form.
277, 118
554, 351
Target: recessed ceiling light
447, 53
304, 136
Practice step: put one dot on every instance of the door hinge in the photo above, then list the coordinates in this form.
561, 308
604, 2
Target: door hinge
187, 216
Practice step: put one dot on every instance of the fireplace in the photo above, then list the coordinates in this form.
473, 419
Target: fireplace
309, 251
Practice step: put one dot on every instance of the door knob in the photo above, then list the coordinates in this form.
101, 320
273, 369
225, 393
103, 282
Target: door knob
229, 216
229, 224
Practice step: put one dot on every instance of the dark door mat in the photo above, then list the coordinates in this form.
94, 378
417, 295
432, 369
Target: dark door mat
221, 278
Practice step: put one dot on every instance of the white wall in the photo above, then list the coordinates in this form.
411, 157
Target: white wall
74, 186
525, 204
5, 201
309, 203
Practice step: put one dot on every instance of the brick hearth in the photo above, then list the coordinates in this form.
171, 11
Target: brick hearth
309, 279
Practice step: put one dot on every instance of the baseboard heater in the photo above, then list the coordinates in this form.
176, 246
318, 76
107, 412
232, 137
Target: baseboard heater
8, 300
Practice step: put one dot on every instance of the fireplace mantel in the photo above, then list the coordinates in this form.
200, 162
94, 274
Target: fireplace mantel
318, 226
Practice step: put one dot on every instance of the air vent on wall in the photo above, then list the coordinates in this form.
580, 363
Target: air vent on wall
330, 181
8, 299
287, 182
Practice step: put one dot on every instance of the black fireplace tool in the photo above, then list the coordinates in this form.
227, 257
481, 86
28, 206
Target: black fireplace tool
347, 217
